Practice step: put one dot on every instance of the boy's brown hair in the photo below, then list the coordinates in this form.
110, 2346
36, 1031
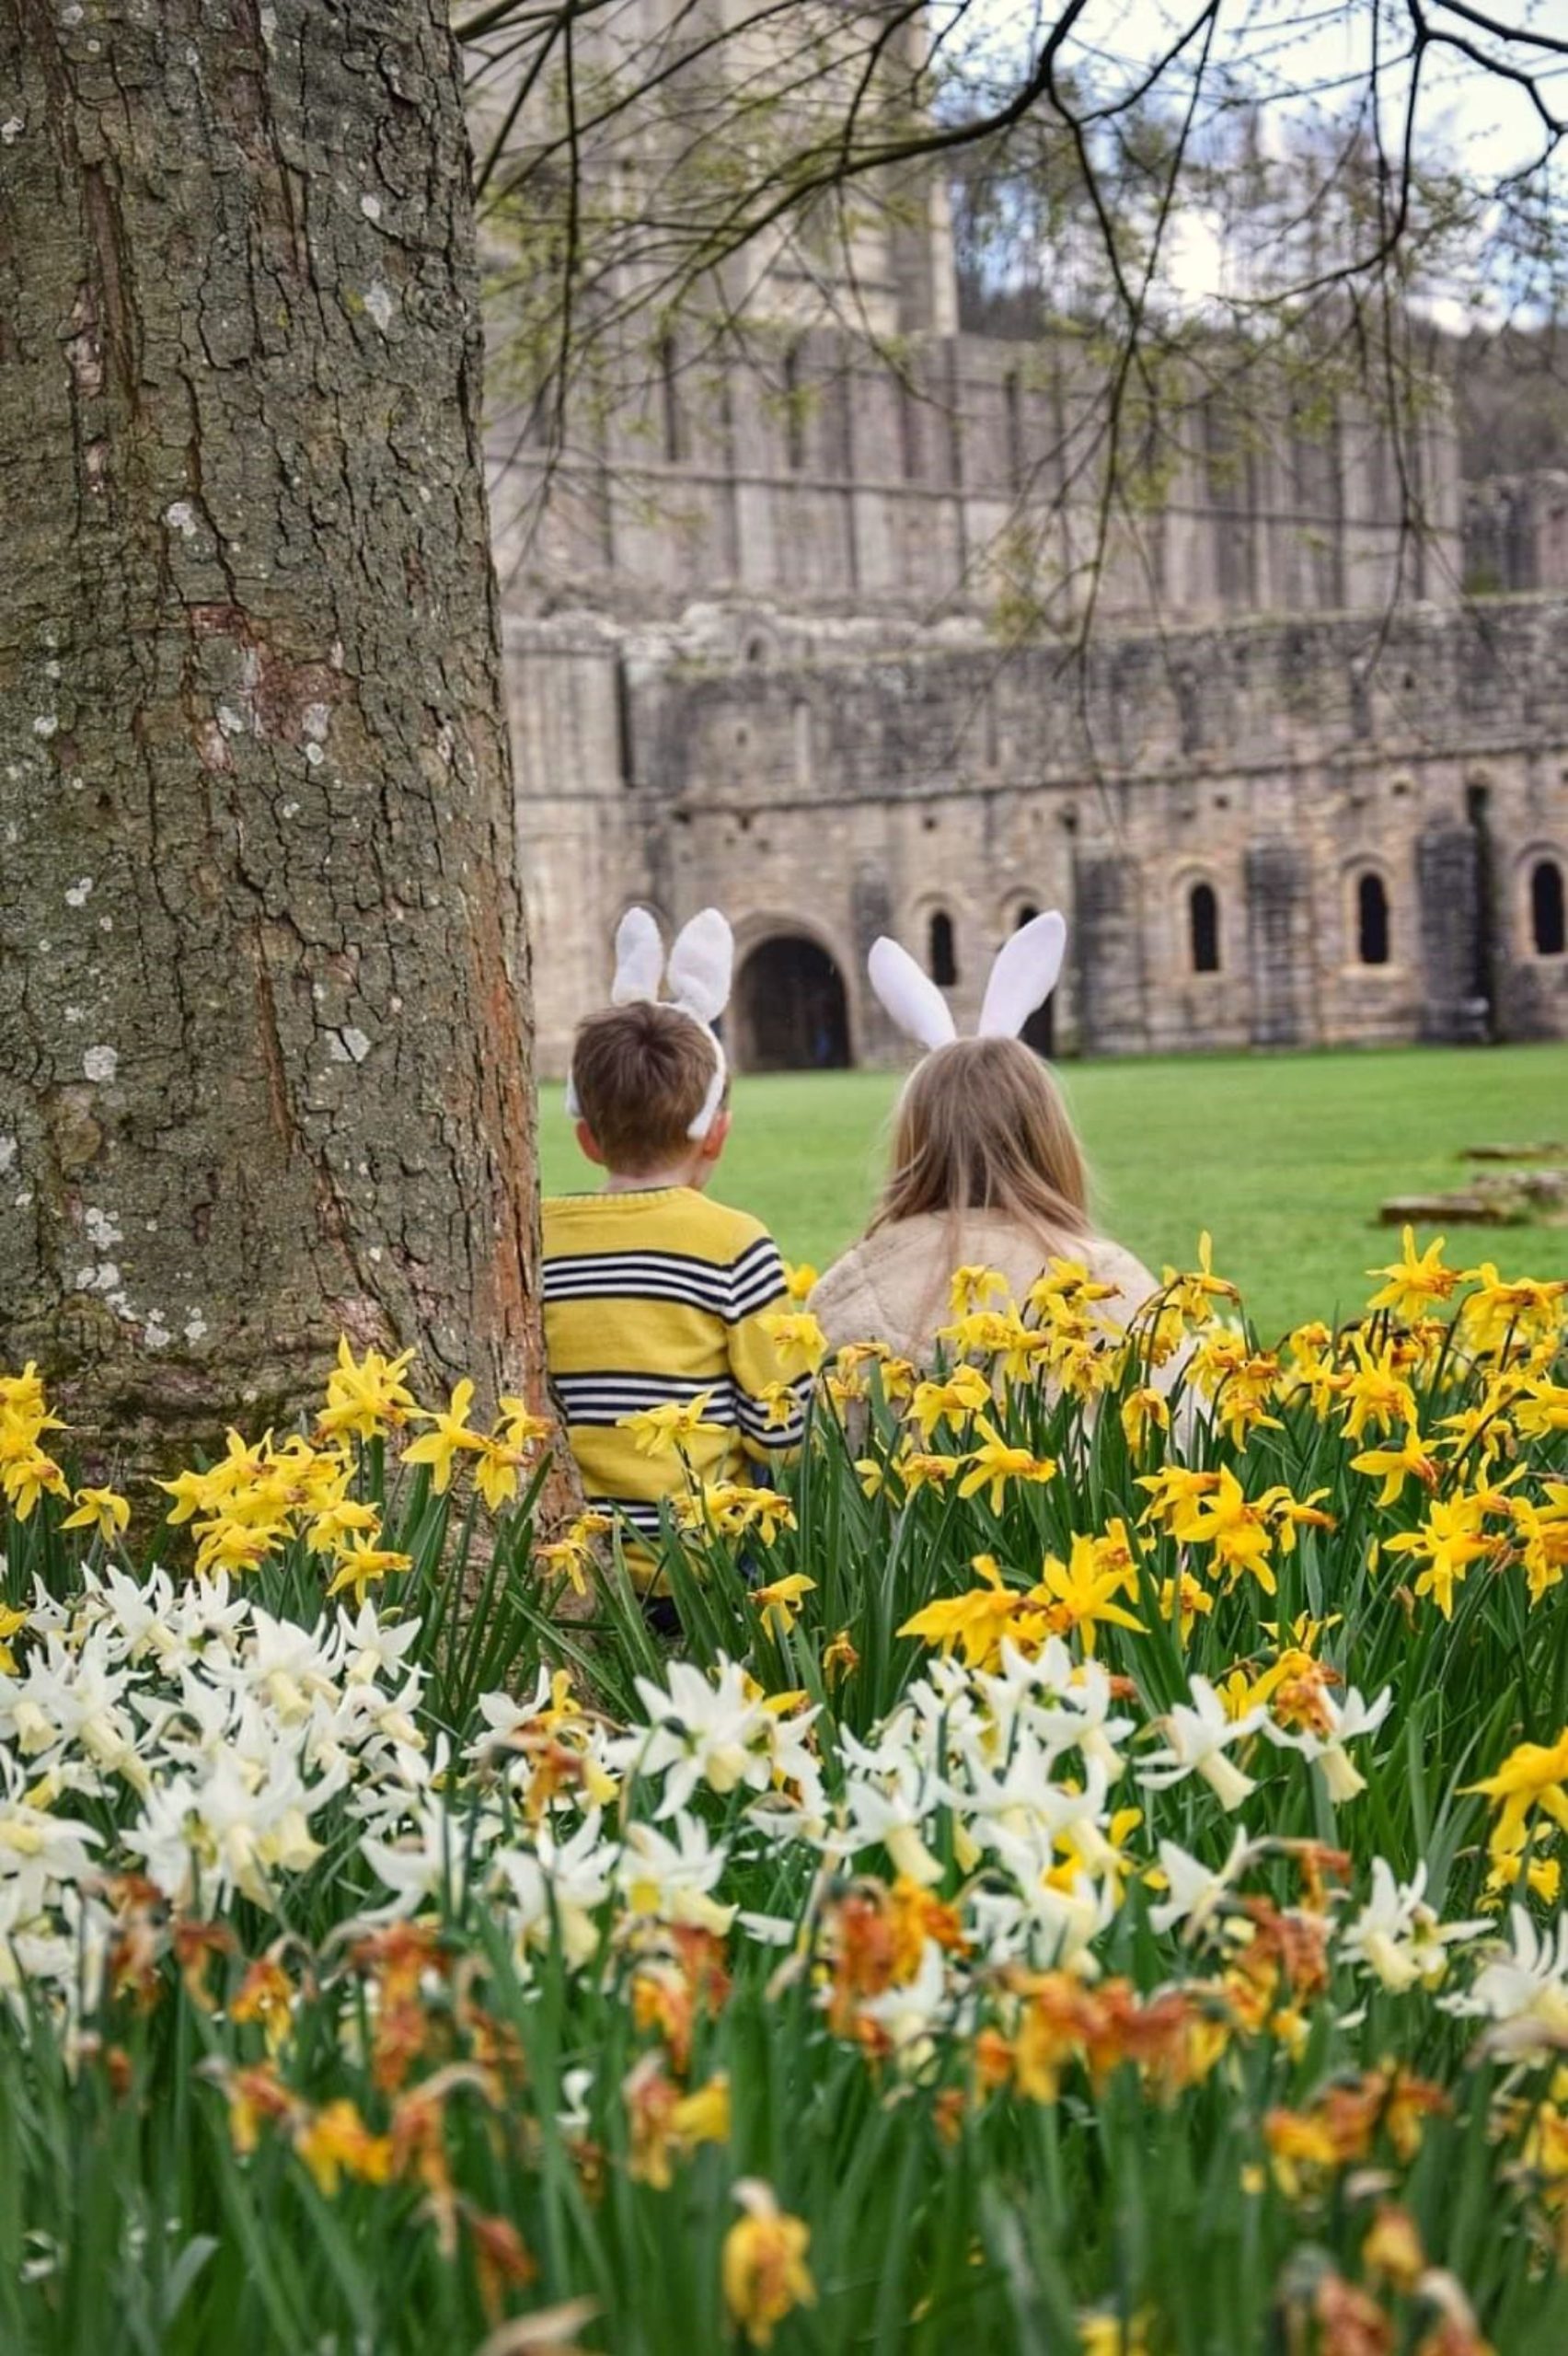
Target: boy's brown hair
642, 1073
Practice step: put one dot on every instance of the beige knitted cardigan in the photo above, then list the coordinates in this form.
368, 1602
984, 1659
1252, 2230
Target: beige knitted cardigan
894, 1286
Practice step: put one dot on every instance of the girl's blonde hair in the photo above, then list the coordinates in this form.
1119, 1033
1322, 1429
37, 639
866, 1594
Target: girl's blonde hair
981, 1126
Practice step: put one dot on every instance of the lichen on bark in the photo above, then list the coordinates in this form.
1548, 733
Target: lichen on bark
263, 985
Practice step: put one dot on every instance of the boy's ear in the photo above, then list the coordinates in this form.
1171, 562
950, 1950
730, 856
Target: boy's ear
713, 1143
589, 1144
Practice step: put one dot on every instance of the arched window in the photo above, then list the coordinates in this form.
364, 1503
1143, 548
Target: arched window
794, 412
1547, 929
1371, 920
1203, 925
941, 954
672, 409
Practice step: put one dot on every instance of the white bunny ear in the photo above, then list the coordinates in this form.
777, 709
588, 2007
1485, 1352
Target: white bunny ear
639, 958
700, 966
1023, 975
912, 999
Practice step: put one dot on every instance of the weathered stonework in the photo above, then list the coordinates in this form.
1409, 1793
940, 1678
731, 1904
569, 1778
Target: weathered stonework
829, 791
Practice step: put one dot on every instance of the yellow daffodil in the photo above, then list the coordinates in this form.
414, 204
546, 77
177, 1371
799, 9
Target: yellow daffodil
976, 1621
1107, 2335
228, 1545
669, 1430
451, 1437
973, 1287
1235, 1529
1415, 1282
1373, 1392
1143, 1411
799, 1343
104, 1510
360, 1564
839, 1658
800, 1279
1499, 1315
1534, 1775
703, 2116
367, 1397
920, 1469
1194, 1293
1188, 1599
778, 1600
327, 1533
1079, 1595
951, 1401
764, 2264
28, 1476
11, 1625
335, 2141
1451, 1539
1395, 1466
996, 1463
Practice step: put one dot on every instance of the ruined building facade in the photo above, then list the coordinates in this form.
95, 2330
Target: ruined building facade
766, 650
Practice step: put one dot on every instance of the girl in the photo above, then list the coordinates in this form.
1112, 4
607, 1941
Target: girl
986, 1169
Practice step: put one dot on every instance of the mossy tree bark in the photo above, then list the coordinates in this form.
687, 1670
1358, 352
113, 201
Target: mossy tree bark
263, 985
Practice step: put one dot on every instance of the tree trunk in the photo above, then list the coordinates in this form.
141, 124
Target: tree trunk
263, 985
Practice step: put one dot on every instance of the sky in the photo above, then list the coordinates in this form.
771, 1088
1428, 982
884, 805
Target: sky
1481, 121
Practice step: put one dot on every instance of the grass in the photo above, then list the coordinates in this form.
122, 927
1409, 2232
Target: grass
1285, 1159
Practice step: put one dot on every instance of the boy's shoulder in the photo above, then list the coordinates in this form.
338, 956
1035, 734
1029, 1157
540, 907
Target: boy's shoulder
740, 1230
673, 1219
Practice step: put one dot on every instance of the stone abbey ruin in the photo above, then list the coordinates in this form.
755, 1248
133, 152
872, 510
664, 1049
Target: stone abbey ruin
1304, 787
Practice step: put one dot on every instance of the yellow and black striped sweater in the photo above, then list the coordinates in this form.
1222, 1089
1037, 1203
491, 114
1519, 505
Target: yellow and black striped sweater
653, 1298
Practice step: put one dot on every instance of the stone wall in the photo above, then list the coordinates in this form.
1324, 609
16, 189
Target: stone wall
818, 471
820, 781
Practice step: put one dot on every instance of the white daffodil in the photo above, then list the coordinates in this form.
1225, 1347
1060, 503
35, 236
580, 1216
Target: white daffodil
673, 1879
700, 1730
1195, 1892
1523, 1990
371, 1648
1397, 1936
1347, 1720
894, 1820
556, 1887
908, 2014
428, 1863
1197, 1739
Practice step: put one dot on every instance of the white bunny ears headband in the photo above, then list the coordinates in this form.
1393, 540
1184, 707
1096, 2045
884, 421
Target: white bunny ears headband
697, 969
1022, 978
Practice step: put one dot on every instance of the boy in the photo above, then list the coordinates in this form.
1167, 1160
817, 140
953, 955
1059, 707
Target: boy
654, 1297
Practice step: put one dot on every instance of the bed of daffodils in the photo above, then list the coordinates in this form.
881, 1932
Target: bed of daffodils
1086, 1874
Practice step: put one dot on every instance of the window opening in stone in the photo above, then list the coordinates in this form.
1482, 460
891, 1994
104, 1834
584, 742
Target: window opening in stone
670, 401
794, 414
941, 955
1547, 926
1371, 921
908, 431
625, 757
1203, 921
791, 1012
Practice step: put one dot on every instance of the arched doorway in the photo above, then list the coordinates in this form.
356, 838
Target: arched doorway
791, 1012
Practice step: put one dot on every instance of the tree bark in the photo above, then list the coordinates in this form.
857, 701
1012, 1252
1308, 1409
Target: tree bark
263, 982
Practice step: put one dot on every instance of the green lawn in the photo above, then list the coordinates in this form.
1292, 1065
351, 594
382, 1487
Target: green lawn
1284, 1157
